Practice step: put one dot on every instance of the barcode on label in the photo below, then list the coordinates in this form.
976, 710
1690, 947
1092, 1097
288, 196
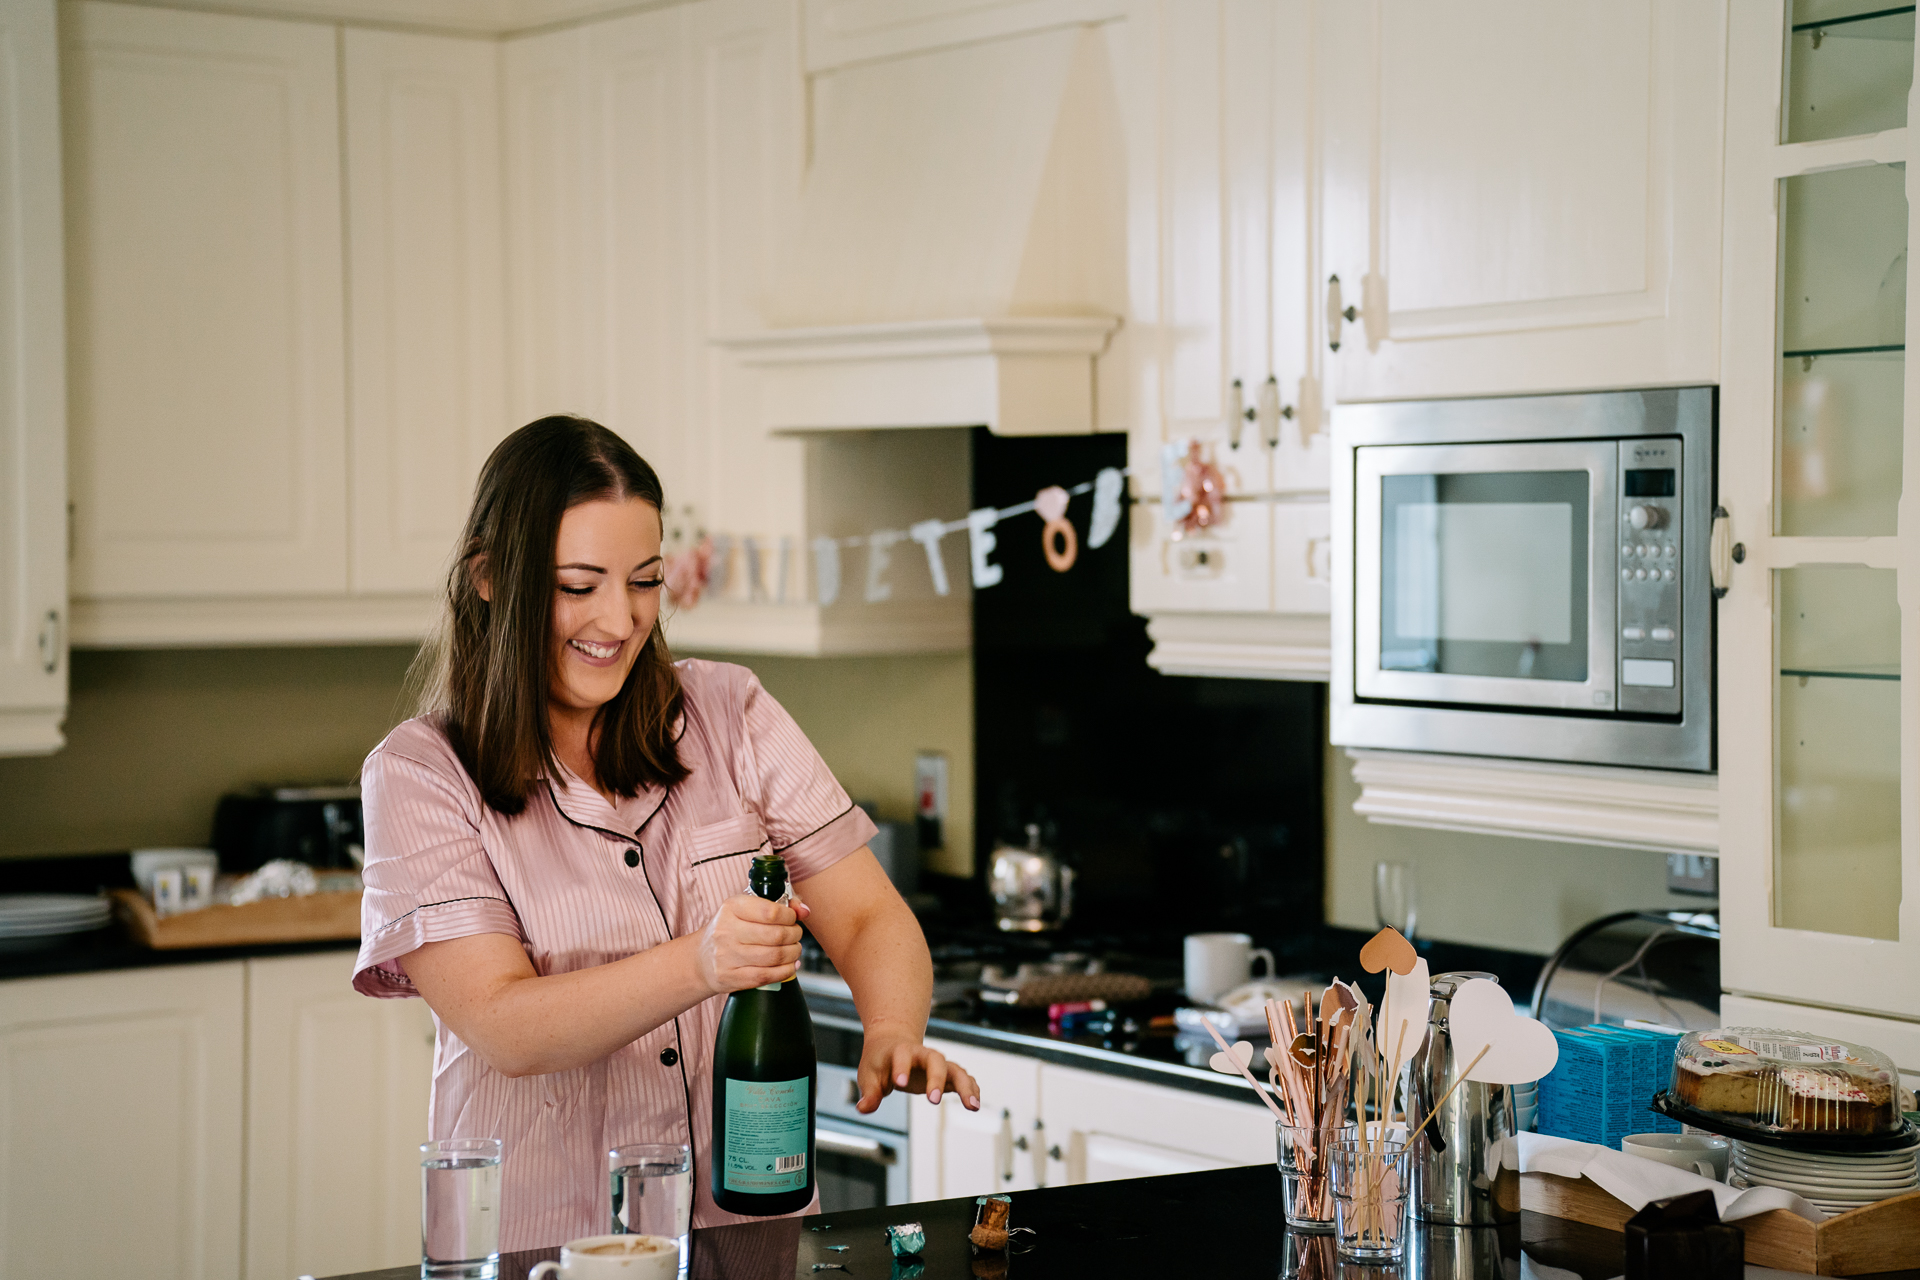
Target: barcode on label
790, 1164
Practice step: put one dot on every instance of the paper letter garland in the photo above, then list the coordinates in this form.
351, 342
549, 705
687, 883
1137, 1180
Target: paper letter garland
980, 545
1058, 540
826, 569
927, 534
879, 555
1108, 488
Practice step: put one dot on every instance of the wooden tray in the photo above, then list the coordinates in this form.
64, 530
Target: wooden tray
318, 917
1879, 1237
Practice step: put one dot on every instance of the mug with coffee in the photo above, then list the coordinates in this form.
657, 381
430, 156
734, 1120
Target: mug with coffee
1216, 963
614, 1258
1694, 1152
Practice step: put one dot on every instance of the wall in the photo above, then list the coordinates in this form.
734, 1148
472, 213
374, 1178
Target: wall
1523, 895
156, 736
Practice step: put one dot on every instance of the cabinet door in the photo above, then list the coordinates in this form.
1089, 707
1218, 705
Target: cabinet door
1302, 558
426, 301
33, 388
1521, 197
1101, 1127
206, 343
120, 1101
337, 1088
1820, 423
1227, 568
957, 1152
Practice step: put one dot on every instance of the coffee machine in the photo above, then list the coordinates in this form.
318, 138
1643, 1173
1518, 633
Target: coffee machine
1032, 889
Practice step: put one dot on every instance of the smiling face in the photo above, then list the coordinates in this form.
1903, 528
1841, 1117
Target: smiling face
606, 599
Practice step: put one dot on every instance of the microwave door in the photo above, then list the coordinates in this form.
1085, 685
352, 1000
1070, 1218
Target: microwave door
1484, 574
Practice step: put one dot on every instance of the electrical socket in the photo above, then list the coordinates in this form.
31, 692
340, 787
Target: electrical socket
1693, 873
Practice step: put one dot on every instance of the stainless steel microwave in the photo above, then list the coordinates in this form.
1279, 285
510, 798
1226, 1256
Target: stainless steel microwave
1527, 577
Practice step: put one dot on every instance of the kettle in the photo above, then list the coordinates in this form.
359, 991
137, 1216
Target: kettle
1032, 889
1452, 1181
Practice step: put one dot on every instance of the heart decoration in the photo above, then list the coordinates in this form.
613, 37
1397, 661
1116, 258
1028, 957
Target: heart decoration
1051, 502
1518, 1049
1360, 1039
1241, 1054
1387, 949
1402, 1027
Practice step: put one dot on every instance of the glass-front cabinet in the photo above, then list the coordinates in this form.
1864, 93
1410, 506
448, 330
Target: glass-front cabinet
1819, 732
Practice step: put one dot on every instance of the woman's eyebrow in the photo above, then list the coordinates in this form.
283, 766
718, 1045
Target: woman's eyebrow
644, 563
590, 568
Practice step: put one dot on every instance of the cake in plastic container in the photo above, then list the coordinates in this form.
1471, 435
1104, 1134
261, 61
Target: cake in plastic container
1787, 1082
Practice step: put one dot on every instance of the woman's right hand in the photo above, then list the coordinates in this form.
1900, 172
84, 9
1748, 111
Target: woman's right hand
750, 942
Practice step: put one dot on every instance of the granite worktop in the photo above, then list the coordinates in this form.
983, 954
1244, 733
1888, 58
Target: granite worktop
1221, 1224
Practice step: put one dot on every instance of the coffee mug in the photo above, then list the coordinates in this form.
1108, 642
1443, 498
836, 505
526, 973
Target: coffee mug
1693, 1152
1216, 963
614, 1258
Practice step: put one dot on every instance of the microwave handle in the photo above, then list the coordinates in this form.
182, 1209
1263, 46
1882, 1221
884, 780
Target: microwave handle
1723, 552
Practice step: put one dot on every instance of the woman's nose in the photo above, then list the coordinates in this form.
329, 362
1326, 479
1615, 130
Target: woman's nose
611, 612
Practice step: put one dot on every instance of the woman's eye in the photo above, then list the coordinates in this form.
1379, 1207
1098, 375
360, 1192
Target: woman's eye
647, 584
575, 591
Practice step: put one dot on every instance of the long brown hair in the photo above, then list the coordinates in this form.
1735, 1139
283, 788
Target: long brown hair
487, 669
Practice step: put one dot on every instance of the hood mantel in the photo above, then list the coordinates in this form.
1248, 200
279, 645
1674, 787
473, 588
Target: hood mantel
1021, 375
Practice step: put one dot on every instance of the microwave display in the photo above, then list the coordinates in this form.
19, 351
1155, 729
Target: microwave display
1485, 574
1646, 482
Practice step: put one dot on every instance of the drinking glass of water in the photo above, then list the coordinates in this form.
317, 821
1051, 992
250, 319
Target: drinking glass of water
460, 1209
1395, 898
651, 1184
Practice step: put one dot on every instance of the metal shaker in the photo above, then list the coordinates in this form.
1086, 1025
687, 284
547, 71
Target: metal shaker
1451, 1159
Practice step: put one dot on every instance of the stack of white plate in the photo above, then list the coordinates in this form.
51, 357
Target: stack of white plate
1832, 1181
30, 921
1526, 1105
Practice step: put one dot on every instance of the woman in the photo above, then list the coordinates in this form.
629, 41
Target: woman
557, 853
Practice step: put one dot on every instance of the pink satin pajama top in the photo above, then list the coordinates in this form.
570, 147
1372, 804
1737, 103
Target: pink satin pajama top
582, 882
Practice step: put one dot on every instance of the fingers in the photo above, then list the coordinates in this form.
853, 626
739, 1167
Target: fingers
963, 1086
757, 910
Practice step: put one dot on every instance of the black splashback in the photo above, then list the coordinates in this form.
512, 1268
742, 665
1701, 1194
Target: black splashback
1184, 803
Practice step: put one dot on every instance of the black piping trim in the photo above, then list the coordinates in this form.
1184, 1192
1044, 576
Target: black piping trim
782, 848
478, 897
686, 1089
588, 826
716, 857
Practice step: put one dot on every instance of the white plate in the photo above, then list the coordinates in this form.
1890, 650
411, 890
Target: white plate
1835, 1177
1857, 1169
1826, 1191
1899, 1157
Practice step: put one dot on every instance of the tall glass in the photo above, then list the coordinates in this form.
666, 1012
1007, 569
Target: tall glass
460, 1209
1370, 1199
1302, 1154
1396, 902
651, 1188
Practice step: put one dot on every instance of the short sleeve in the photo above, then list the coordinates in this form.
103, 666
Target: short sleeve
428, 876
806, 812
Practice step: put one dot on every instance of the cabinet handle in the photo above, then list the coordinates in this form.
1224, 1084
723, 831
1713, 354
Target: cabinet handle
1721, 552
1237, 412
1039, 1152
1003, 1144
1271, 411
1337, 313
1313, 571
50, 642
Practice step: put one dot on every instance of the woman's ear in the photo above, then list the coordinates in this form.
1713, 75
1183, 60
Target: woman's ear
477, 571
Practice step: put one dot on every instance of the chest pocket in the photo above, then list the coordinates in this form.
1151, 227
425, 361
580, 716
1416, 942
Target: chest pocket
720, 854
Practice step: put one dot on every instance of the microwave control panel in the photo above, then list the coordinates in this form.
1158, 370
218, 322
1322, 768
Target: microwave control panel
1652, 568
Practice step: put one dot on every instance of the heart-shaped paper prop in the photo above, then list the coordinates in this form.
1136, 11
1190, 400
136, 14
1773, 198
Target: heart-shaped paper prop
1519, 1049
1232, 1066
1388, 950
1401, 1027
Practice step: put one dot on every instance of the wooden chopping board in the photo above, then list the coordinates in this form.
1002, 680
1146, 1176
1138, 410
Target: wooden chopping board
318, 917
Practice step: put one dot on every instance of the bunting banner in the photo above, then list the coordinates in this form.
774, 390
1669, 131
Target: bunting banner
705, 566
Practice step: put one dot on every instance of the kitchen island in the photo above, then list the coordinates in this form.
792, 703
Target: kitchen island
1223, 1223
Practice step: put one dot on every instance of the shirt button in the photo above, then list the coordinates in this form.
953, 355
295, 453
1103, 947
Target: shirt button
669, 1056
633, 857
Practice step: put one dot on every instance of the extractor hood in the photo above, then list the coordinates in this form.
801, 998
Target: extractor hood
959, 256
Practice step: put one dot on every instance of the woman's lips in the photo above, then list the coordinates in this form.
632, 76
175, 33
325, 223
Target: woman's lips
593, 654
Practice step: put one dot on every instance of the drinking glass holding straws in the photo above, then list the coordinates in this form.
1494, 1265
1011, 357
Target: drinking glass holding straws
1303, 1157
1370, 1198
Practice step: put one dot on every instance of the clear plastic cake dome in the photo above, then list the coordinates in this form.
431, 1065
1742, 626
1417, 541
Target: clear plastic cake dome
1751, 1081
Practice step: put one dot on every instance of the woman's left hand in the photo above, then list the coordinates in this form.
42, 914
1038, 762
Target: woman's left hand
901, 1061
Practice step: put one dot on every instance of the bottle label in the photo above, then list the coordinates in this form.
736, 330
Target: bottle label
766, 1128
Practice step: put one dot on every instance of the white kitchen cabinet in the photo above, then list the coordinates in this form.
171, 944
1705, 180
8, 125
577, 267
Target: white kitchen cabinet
426, 300
206, 290
337, 1088
1819, 464
33, 387
121, 1100
1519, 197
1237, 366
1100, 1127
957, 1152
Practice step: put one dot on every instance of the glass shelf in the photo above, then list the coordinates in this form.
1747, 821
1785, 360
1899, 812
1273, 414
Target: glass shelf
1843, 301
1837, 747
1849, 67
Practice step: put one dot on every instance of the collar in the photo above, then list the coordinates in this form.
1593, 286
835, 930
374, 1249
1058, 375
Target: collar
585, 807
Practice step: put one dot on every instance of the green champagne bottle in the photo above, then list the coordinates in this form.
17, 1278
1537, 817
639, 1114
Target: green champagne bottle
764, 1077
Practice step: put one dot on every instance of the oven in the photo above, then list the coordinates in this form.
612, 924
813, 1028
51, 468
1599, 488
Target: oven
1527, 577
860, 1161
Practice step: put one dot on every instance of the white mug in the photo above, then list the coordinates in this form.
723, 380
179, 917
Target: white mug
1216, 963
1693, 1152
614, 1258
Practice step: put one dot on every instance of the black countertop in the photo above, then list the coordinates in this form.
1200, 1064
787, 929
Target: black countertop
1224, 1223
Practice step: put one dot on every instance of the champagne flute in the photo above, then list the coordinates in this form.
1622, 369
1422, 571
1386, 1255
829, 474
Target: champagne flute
1395, 897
